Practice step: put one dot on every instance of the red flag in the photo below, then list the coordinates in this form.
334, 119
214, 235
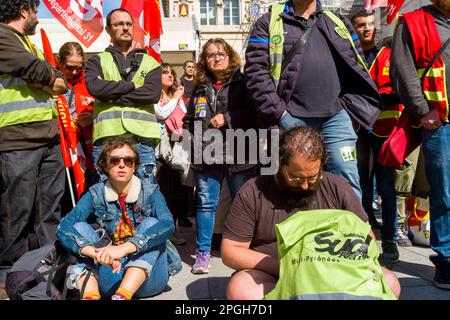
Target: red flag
146, 35
135, 8
392, 9
373, 4
70, 147
153, 28
83, 18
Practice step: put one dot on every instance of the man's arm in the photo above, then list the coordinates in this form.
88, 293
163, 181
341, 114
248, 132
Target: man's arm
403, 73
148, 93
104, 90
260, 84
56, 86
239, 256
19, 62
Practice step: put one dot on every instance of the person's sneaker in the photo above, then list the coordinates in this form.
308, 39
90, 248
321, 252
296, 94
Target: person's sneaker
185, 223
176, 239
390, 251
202, 263
402, 237
442, 274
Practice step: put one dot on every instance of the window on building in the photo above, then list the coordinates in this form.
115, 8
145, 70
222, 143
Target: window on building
208, 12
231, 12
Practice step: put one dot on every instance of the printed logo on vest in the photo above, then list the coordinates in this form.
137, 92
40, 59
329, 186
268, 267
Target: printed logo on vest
275, 40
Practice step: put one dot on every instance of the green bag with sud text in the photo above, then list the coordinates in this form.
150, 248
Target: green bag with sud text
328, 254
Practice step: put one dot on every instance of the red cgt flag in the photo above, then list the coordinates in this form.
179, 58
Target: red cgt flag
392, 9
70, 147
83, 18
153, 28
146, 35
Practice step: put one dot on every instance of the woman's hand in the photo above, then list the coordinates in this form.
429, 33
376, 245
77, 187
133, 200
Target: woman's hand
218, 121
179, 93
107, 255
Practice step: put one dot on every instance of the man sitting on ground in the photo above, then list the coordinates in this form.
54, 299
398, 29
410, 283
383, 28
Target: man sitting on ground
249, 242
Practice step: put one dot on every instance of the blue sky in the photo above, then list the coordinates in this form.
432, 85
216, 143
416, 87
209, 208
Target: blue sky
108, 5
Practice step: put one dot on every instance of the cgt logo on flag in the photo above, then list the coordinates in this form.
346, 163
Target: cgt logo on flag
83, 18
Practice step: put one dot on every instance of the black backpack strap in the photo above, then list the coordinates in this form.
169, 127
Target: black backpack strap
298, 46
85, 281
436, 56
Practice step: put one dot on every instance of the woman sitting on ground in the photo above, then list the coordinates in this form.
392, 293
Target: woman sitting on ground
133, 214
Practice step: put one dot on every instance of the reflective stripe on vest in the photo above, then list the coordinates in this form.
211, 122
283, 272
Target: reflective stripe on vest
21, 103
379, 72
111, 119
426, 42
276, 31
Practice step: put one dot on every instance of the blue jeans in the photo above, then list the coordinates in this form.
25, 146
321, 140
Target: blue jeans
367, 145
154, 263
146, 168
31, 187
436, 148
340, 143
208, 184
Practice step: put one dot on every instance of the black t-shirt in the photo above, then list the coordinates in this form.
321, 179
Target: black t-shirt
189, 86
370, 55
318, 87
259, 205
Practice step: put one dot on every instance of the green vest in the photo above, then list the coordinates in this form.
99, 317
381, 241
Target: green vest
111, 119
20, 102
328, 254
276, 39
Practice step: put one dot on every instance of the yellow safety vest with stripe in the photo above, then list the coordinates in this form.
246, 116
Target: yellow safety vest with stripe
21, 103
276, 39
111, 119
426, 43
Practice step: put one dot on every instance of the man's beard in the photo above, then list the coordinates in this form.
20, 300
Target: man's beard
444, 5
30, 27
296, 197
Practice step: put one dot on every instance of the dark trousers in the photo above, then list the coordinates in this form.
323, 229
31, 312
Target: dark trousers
368, 147
178, 196
32, 184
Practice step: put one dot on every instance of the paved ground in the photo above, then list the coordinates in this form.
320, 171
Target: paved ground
414, 270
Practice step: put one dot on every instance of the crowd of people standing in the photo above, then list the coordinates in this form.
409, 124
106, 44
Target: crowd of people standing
138, 128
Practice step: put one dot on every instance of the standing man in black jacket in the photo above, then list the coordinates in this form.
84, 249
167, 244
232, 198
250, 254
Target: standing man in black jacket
323, 86
31, 166
125, 82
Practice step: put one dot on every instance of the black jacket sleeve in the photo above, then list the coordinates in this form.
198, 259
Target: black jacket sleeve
101, 89
260, 85
149, 93
17, 61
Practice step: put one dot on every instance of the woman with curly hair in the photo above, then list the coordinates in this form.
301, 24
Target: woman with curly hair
219, 102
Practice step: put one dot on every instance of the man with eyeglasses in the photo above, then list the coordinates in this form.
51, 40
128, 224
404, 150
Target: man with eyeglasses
125, 82
31, 166
249, 242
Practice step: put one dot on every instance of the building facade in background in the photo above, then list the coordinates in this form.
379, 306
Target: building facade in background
188, 24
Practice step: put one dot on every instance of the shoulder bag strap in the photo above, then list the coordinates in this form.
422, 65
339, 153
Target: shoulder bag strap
436, 56
299, 45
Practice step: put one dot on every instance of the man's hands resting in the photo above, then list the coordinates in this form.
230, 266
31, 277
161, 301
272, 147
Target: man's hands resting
110, 255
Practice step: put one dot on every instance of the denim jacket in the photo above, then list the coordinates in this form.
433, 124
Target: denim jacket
101, 205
